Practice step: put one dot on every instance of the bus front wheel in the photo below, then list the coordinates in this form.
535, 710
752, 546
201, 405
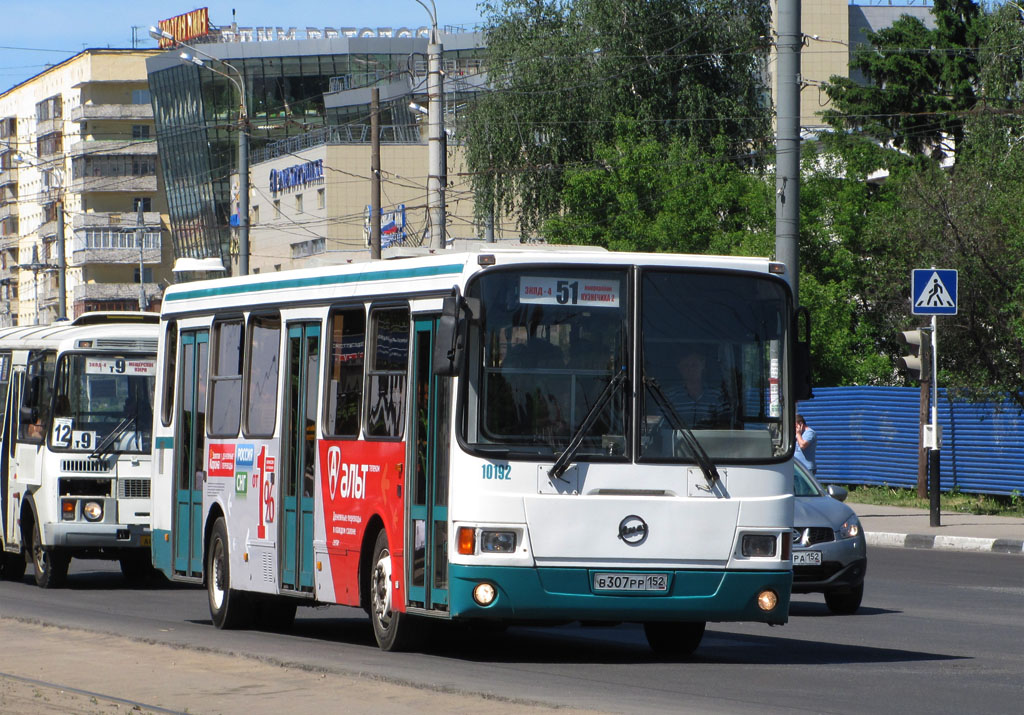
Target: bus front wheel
229, 608
12, 566
674, 639
393, 630
51, 565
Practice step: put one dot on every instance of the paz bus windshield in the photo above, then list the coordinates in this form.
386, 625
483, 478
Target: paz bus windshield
104, 398
545, 352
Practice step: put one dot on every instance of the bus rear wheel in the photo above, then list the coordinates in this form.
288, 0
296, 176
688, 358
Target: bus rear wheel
50, 565
393, 630
674, 639
229, 608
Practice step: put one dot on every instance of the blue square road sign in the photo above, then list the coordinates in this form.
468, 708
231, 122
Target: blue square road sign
933, 291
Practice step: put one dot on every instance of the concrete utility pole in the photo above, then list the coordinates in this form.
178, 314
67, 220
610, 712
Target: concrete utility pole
787, 142
140, 233
436, 145
62, 264
375, 173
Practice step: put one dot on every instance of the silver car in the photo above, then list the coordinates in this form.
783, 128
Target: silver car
829, 549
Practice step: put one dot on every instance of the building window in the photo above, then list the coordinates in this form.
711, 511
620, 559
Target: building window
140, 96
140, 131
277, 208
148, 274
146, 201
321, 199
309, 248
106, 238
298, 203
255, 218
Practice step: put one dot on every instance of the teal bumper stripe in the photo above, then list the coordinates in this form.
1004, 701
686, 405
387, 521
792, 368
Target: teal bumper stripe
566, 594
315, 281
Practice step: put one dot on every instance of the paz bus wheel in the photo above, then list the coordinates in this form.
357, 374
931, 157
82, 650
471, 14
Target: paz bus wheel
228, 608
51, 565
394, 631
674, 639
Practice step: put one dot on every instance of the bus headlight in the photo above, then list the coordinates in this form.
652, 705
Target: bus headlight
767, 600
484, 594
497, 542
92, 510
762, 545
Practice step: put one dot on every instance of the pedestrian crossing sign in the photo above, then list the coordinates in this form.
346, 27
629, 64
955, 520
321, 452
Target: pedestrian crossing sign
933, 292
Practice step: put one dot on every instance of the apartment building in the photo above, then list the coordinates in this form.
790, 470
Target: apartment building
77, 143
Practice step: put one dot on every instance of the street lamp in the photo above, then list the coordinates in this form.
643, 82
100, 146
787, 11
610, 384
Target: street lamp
243, 137
437, 175
62, 266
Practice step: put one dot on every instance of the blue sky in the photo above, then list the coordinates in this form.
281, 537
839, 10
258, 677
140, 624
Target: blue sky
46, 32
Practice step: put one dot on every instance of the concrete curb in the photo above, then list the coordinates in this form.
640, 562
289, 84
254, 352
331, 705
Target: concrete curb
945, 543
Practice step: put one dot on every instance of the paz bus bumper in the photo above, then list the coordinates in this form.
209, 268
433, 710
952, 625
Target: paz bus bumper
559, 594
82, 535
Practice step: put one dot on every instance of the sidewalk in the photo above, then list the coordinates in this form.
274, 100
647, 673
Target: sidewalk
910, 528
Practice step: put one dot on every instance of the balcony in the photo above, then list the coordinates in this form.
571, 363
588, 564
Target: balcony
98, 147
85, 184
49, 126
9, 209
92, 112
119, 220
114, 291
9, 176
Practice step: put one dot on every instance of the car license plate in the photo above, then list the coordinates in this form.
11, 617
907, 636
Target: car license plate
807, 558
146, 540
635, 582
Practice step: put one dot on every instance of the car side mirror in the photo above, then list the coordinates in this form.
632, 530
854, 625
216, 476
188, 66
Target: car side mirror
837, 493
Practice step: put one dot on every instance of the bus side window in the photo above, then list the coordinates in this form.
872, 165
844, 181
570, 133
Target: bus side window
170, 373
387, 374
261, 377
345, 376
35, 403
226, 379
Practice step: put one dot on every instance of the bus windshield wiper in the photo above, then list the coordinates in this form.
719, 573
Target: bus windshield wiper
562, 463
692, 443
104, 447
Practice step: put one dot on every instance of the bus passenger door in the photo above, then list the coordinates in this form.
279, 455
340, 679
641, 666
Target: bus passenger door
298, 459
189, 454
6, 440
431, 435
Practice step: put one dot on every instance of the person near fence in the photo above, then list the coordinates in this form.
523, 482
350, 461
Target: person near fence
806, 443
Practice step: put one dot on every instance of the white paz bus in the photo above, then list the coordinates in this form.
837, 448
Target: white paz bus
76, 413
503, 436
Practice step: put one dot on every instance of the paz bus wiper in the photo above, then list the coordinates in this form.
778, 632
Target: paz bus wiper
692, 443
103, 447
562, 463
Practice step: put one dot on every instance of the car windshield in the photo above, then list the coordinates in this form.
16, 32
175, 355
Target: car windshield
547, 344
97, 395
804, 485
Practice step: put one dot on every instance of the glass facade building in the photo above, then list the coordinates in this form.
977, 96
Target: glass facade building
292, 87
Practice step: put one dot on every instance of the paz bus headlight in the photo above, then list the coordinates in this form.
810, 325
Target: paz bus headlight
92, 510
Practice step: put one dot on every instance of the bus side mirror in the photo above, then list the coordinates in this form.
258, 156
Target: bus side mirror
450, 340
28, 415
802, 356
31, 396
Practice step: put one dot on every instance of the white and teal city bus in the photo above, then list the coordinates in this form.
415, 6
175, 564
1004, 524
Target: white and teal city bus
75, 442
499, 436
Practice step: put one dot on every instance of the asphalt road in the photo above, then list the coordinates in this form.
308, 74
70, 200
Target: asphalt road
939, 632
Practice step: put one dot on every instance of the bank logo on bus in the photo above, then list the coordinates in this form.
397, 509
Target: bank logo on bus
120, 366
349, 479
546, 290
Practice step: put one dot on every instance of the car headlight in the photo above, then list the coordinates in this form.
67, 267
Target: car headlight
850, 528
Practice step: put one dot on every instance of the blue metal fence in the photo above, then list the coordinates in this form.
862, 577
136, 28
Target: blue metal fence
869, 435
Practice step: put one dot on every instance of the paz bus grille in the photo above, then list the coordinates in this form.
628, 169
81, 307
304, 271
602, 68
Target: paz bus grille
86, 466
133, 489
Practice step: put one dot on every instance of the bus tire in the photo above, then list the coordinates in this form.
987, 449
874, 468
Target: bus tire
12, 566
136, 568
50, 565
674, 639
393, 630
276, 614
229, 609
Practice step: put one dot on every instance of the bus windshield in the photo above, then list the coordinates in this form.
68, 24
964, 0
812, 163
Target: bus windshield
98, 395
548, 342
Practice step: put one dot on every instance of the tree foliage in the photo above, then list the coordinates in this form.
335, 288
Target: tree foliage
562, 72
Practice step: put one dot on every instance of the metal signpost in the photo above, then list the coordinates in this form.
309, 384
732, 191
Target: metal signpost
933, 292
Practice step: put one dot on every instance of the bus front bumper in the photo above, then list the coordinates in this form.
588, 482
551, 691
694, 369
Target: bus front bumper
83, 535
561, 594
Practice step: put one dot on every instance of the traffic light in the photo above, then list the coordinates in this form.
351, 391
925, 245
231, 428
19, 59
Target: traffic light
918, 362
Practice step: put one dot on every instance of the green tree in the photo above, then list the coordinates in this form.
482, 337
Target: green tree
563, 71
921, 82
